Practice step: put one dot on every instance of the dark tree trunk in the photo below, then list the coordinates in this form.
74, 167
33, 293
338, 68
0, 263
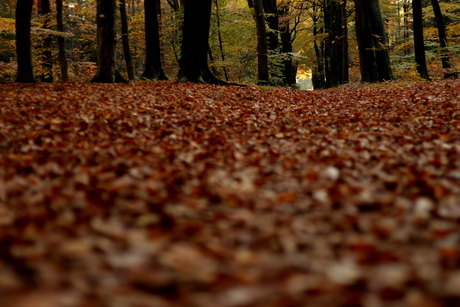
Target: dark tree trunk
272, 18
336, 45
25, 71
153, 69
318, 73
380, 42
372, 44
61, 43
106, 65
345, 53
289, 71
47, 55
442, 37
367, 61
262, 43
419, 42
125, 40
195, 44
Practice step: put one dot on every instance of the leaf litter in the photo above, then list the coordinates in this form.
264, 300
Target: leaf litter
172, 194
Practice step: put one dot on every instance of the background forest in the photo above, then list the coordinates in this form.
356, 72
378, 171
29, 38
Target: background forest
301, 30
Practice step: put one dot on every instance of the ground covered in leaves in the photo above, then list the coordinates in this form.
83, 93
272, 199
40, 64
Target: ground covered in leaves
167, 194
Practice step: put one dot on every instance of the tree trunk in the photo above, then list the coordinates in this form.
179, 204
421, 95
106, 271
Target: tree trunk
318, 73
345, 53
372, 44
61, 43
419, 42
153, 69
47, 55
380, 42
262, 43
406, 33
272, 18
125, 40
25, 71
194, 52
289, 71
442, 37
106, 65
336, 44
219, 35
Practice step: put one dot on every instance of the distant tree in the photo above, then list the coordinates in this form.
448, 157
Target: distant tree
125, 40
47, 55
287, 30
194, 65
61, 43
153, 69
374, 58
175, 4
25, 71
440, 24
219, 37
419, 42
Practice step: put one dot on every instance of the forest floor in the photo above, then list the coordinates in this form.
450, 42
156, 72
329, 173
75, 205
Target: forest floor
168, 194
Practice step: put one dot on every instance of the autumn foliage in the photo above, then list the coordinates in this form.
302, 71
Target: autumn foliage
171, 194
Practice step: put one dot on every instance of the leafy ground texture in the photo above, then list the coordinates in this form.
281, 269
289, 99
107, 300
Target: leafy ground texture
169, 194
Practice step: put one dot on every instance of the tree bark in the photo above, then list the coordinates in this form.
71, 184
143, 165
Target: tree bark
419, 42
61, 43
272, 18
25, 71
262, 43
47, 55
442, 37
152, 69
372, 44
125, 40
195, 44
318, 72
106, 65
335, 21
289, 71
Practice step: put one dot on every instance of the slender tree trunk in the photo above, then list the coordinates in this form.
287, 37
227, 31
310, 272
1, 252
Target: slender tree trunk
262, 43
318, 74
406, 32
442, 37
345, 55
289, 71
61, 43
125, 40
46, 56
219, 35
25, 71
153, 69
419, 43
